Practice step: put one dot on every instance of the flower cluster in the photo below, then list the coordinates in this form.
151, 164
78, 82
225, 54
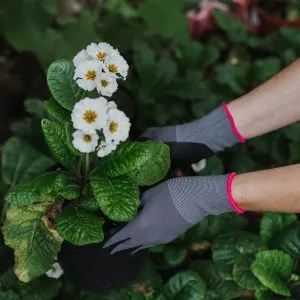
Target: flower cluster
99, 124
99, 66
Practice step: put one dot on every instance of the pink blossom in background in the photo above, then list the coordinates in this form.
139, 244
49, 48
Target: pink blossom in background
202, 21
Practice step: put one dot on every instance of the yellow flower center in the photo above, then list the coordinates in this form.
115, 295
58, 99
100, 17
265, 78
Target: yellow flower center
87, 138
104, 83
53, 269
90, 116
101, 55
113, 68
90, 75
113, 127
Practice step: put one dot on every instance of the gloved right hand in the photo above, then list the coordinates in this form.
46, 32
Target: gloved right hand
215, 131
172, 207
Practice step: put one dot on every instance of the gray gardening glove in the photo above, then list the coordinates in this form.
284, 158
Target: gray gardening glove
215, 131
174, 206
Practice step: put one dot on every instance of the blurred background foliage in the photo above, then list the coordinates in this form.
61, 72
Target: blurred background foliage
186, 57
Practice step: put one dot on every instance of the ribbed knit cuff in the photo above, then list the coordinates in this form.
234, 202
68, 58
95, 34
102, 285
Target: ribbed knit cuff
229, 194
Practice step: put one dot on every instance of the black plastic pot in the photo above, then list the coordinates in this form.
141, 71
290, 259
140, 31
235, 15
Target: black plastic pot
93, 268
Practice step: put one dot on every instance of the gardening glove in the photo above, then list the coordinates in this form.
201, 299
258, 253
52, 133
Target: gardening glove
214, 132
172, 207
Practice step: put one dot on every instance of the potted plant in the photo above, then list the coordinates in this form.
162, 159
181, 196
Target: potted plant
91, 187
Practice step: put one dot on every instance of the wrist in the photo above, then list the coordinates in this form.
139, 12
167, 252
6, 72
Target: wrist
235, 193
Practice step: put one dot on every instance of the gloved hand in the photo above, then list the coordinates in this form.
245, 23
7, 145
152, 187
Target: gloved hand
216, 131
174, 206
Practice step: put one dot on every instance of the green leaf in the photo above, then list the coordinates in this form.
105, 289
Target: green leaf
157, 165
32, 191
9, 295
35, 107
57, 111
243, 275
271, 267
63, 87
218, 279
128, 157
288, 240
234, 77
186, 285
69, 134
65, 187
35, 244
21, 162
213, 226
214, 166
263, 69
56, 139
175, 255
235, 29
229, 247
118, 197
159, 248
272, 223
79, 227
154, 13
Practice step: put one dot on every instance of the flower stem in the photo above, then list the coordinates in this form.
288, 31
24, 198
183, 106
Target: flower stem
86, 167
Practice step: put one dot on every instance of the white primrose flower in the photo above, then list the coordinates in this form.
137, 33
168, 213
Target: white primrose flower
87, 73
105, 148
55, 272
80, 57
199, 166
110, 105
89, 115
85, 143
117, 127
116, 66
100, 51
106, 84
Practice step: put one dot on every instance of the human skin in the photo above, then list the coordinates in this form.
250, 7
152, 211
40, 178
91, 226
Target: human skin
269, 190
272, 105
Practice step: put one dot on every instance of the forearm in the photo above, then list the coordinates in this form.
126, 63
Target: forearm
272, 105
270, 190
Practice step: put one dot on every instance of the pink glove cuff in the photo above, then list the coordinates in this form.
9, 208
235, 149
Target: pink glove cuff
229, 193
234, 129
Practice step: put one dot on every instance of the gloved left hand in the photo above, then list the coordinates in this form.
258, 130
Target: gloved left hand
172, 207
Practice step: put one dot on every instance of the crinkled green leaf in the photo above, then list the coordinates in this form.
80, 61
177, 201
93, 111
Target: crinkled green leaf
229, 247
288, 240
57, 111
128, 157
213, 226
56, 139
65, 187
33, 190
243, 275
272, 223
79, 227
175, 255
118, 197
69, 138
157, 165
272, 267
35, 244
218, 279
21, 162
186, 285
63, 87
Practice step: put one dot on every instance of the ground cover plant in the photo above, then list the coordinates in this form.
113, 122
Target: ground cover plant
178, 70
